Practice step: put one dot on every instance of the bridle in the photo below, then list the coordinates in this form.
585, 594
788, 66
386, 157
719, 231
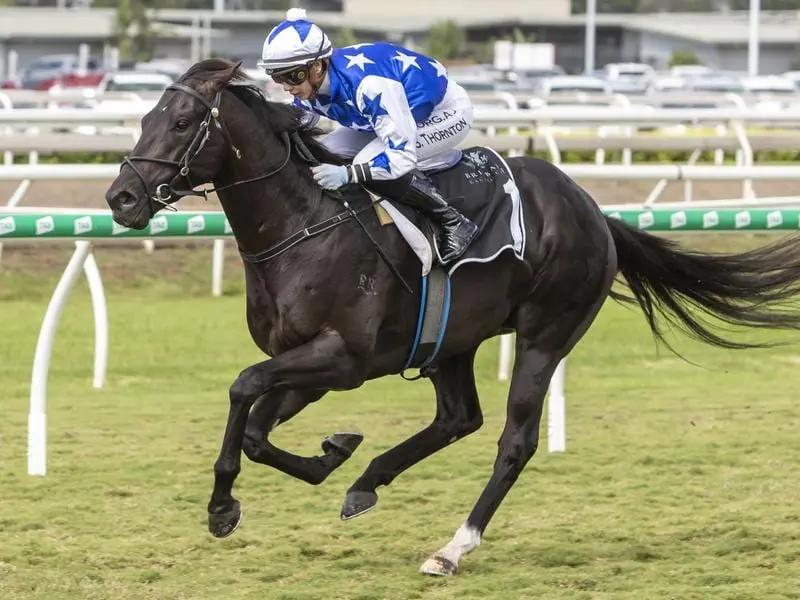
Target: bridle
163, 193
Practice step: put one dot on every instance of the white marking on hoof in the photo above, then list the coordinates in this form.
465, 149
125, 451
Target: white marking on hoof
438, 565
445, 561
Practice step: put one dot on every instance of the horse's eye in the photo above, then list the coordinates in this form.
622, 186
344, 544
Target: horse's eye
182, 124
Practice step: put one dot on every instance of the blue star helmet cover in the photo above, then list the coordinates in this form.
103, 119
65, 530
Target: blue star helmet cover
294, 42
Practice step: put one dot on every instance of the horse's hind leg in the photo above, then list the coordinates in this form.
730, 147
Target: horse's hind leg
545, 335
458, 414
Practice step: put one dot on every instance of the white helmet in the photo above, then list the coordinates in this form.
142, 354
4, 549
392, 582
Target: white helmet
295, 42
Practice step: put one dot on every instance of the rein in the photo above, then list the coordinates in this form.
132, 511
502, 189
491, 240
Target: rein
163, 194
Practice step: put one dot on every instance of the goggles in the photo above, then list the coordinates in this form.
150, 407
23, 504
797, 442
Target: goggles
292, 75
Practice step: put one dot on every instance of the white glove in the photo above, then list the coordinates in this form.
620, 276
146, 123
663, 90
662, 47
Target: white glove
330, 177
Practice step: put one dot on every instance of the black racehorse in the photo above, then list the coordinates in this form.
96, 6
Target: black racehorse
305, 255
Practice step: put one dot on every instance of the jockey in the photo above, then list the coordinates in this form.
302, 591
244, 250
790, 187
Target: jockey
399, 113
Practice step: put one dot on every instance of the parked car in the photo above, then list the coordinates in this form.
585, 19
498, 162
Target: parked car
628, 78
666, 83
127, 89
174, 67
573, 89
794, 77
46, 71
716, 84
769, 85
133, 81
692, 71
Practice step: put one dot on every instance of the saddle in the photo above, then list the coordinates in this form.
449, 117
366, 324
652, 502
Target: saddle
481, 186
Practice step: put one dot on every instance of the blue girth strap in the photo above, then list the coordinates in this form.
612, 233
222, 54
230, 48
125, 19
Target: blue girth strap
434, 311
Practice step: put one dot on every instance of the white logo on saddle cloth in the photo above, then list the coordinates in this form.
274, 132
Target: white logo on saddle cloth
476, 159
480, 169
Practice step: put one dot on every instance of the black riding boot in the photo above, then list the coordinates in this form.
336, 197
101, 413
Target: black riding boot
416, 189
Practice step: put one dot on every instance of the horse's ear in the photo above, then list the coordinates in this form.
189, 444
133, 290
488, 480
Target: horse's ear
234, 72
236, 68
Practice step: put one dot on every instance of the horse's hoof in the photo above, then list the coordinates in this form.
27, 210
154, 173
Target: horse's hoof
343, 443
357, 503
224, 524
438, 565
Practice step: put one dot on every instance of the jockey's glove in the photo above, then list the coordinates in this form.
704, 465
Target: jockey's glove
330, 177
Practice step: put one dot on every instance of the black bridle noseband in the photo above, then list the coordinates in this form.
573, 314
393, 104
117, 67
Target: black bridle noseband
163, 193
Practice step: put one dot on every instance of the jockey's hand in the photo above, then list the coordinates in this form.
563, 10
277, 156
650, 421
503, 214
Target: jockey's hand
330, 177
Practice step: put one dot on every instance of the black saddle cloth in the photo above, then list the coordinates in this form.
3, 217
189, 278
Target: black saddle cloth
481, 186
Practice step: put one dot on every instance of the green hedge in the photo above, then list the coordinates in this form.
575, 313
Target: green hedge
567, 157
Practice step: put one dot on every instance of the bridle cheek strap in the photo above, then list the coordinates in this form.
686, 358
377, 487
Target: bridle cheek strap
164, 193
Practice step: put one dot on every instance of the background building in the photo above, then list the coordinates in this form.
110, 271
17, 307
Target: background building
718, 39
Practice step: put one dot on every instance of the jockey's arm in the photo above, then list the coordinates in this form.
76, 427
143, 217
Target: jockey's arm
309, 119
383, 101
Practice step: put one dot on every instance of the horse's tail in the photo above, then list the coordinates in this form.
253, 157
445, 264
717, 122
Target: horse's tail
751, 289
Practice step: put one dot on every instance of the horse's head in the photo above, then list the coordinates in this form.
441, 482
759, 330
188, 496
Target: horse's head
184, 143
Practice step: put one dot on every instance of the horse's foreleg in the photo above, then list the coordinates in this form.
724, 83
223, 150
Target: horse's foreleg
458, 414
321, 364
277, 407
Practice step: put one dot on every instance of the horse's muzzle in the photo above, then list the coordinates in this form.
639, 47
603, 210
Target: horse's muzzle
128, 210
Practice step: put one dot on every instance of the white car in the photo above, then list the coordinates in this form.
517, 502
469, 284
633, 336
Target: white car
134, 82
573, 89
127, 92
124, 89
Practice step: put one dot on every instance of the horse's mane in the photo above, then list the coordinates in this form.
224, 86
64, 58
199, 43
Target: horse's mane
278, 117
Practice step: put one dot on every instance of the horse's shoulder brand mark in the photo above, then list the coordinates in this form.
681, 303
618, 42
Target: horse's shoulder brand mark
367, 284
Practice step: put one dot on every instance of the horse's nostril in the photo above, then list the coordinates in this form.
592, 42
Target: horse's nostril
123, 201
127, 209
